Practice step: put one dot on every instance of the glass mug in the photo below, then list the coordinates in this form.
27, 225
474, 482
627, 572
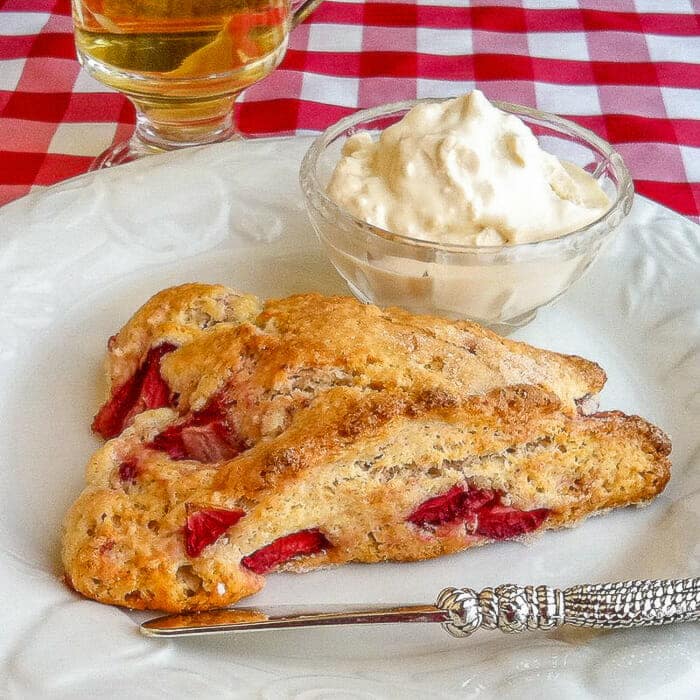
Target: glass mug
181, 62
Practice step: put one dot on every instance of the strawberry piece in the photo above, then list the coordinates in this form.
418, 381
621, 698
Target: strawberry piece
146, 389
209, 443
285, 548
204, 436
457, 504
205, 526
502, 523
170, 441
128, 471
483, 508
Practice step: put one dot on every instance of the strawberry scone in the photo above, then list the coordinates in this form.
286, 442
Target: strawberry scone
246, 437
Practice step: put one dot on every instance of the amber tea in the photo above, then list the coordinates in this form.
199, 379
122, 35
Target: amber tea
181, 62
173, 47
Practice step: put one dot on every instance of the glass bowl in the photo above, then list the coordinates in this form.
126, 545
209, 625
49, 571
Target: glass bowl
498, 286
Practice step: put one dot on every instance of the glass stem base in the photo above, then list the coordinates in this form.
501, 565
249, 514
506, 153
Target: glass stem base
162, 126
168, 125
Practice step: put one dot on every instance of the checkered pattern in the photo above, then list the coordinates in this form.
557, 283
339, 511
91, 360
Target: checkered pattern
627, 69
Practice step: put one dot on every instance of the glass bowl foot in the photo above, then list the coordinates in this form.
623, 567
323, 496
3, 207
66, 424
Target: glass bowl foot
124, 152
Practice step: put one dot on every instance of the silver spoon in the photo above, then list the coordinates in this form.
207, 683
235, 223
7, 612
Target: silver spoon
462, 611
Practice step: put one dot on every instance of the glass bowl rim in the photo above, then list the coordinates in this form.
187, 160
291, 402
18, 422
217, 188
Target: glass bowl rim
311, 186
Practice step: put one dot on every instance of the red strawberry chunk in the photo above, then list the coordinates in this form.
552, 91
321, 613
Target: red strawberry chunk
205, 436
145, 390
457, 504
285, 548
208, 443
205, 526
128, 471
502, 523
170, 441
482, 509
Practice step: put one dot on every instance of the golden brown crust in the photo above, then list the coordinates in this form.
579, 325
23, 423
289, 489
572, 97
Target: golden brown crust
176, 315
301, 345
354, 416
576, 371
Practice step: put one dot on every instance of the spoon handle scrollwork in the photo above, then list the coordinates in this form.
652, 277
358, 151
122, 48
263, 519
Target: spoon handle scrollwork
512, 608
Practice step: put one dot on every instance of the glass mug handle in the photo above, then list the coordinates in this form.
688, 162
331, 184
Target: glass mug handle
303, 10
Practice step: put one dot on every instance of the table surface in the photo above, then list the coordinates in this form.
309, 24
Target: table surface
629, 70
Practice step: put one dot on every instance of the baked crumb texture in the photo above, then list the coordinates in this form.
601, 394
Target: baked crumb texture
248, 437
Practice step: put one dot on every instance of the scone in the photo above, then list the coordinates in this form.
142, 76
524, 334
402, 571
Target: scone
248, 437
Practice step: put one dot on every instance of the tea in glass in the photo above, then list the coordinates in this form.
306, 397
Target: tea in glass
182, 62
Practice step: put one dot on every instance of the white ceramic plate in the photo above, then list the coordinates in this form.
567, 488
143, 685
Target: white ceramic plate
77, 260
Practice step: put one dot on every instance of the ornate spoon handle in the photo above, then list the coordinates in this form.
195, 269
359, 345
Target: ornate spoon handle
512, 608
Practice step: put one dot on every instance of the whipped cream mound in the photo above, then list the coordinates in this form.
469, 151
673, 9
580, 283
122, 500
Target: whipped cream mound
463, 172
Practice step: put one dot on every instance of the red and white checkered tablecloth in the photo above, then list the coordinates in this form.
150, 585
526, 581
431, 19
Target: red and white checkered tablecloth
627, 69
